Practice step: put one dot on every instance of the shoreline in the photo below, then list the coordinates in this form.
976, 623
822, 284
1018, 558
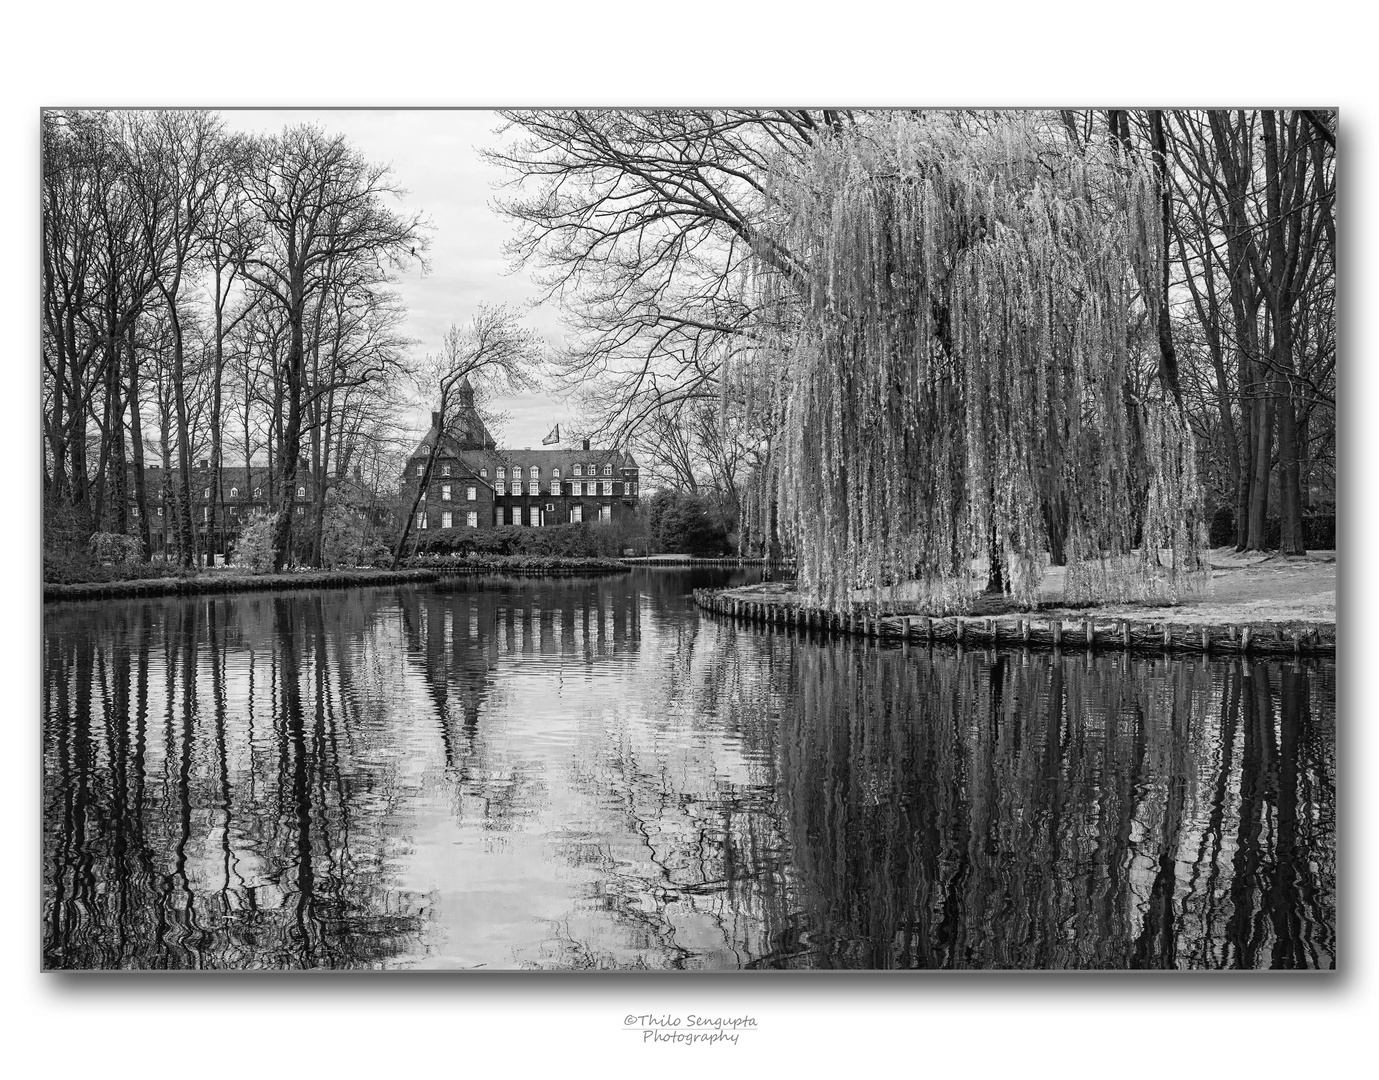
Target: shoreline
221, 582
1087, 629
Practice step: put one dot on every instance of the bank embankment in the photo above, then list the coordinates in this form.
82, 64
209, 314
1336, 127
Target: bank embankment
1257, 605
230, 581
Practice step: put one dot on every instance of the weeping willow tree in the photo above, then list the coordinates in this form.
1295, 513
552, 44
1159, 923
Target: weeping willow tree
953, 379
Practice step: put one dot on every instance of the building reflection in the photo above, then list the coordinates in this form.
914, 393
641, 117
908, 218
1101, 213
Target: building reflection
241, 782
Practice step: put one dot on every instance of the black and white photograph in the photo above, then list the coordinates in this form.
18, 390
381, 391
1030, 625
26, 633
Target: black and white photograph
689, 539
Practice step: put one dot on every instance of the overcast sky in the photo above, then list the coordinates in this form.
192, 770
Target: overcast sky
434, 155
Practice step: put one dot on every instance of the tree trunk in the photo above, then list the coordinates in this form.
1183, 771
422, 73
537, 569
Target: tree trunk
290, 449
1257, 538
186, 535
421, 491
136, 444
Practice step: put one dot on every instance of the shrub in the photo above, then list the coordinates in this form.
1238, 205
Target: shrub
1222, 531
576, 540
115, 548
345, 539
685, 524
254, 549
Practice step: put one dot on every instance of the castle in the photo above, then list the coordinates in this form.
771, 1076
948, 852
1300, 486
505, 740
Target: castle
475, 484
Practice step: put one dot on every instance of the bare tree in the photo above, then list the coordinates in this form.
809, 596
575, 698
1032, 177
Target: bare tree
315, 207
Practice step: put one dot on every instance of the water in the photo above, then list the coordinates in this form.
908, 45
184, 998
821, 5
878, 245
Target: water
587, 773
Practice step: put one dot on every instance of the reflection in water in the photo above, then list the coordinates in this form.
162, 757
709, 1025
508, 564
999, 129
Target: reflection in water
584, 773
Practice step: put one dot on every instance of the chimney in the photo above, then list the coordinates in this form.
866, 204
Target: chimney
435, 419
586, 444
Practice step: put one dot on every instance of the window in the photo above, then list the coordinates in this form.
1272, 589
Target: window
576, 512
483, 474
421, 467
632, 488
445, 493
160, 511
575, 487
502, 472
471, 493
206, 494
258, 493
421, 519
234, 493
301, 510
205, 513
535, 516
500, 488
555, 487
535, 473
605, 512
472, 519
445, 468
555, 473
608, 487
608, 470
534, 488
301, 492
445, 519
578, 468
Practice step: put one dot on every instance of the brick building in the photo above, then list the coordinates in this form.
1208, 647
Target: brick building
475, 484
243, 491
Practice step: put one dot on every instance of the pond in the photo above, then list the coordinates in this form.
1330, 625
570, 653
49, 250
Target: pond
586, 773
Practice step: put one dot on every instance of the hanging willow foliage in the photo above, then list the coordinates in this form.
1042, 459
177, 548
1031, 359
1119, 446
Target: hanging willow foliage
957, 376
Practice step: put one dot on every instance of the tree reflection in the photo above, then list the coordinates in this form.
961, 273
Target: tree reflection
248, 782
1019, 811
222, 844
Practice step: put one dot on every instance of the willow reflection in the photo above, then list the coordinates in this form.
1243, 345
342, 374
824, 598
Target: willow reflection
584, 773
1021, 811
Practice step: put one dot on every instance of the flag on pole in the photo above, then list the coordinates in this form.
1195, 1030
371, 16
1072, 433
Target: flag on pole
553, 437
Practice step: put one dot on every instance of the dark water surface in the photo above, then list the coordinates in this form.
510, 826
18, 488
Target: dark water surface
586, 773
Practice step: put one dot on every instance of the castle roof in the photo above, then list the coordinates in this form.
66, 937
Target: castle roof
484, 453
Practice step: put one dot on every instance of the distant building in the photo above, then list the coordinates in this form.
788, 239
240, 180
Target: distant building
243, 492
475, 484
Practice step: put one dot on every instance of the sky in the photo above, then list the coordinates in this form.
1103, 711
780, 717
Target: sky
434, 154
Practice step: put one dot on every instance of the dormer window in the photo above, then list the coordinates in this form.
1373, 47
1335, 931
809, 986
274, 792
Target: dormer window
483, 474
535, 472
608, 470
301, 492
258, 493
445, 468
579, 469
421, 467
207, 494
234, 493
502, 473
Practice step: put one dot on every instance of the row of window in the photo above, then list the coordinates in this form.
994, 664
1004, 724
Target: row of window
577, 488
513, 516
258, 493
206, 512
535, 472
